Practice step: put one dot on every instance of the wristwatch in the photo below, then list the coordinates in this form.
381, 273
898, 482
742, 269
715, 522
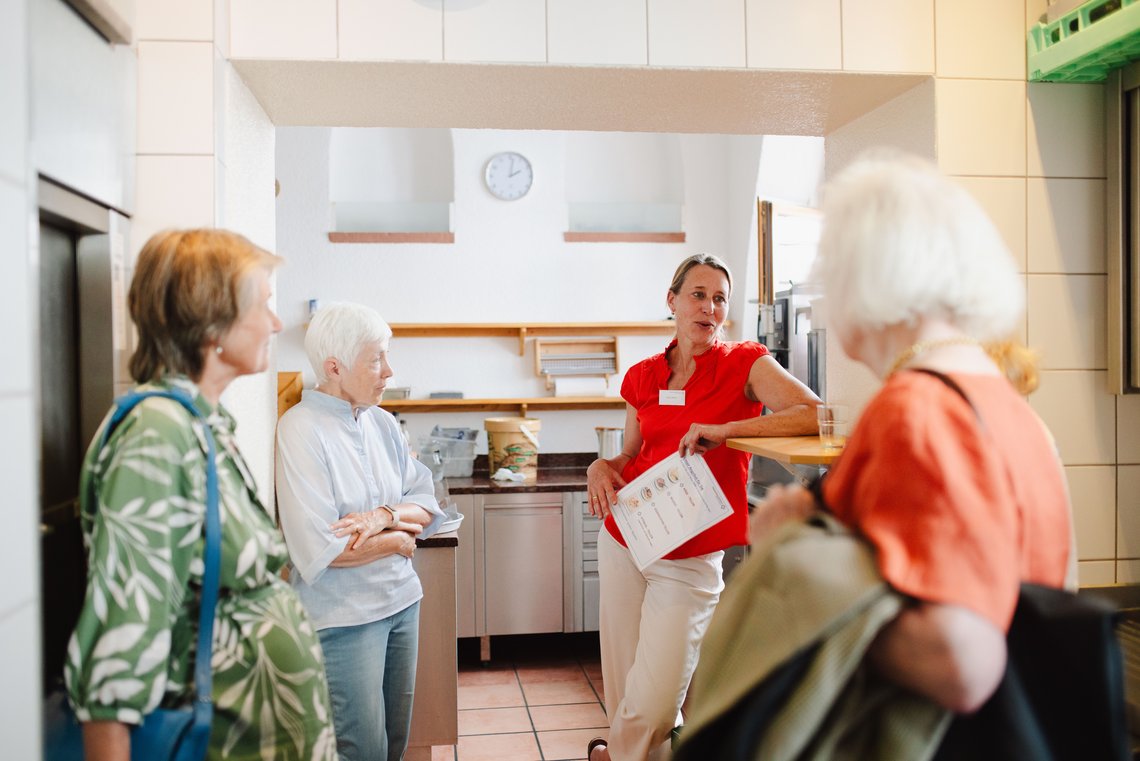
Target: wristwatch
393, 512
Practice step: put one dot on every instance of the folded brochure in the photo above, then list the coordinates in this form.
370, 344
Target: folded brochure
667, 505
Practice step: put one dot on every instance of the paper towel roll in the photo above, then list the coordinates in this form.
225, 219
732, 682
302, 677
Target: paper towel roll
580, 386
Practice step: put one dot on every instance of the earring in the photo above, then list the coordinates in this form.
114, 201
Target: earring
218, 350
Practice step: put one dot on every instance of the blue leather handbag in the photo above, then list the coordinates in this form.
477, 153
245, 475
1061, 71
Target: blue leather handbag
166, 734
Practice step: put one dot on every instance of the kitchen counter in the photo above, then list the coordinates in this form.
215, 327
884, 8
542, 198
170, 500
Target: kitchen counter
556, 472
435, 707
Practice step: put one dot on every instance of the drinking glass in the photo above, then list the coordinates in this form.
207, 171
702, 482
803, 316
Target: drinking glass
832, 420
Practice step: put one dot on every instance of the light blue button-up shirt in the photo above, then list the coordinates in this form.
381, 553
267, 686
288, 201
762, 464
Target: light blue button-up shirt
330, 464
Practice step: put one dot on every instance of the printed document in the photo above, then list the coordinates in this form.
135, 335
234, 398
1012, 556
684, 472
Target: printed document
667, 506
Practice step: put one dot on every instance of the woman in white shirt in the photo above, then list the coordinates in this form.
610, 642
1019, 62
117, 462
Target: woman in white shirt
351, 500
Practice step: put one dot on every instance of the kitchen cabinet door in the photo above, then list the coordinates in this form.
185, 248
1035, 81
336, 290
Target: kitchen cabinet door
465, 564
523, 567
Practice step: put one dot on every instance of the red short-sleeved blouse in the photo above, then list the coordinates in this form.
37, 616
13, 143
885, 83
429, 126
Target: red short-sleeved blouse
959, 511
714, 395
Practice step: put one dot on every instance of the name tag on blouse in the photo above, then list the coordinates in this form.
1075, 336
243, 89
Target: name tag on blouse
670, 398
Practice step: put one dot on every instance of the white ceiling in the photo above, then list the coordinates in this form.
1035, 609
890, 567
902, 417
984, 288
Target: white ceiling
541, 96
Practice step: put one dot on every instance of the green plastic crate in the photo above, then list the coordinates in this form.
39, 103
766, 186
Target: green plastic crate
1086, 43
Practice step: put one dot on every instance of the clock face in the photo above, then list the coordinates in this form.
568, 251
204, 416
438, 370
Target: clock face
509, 176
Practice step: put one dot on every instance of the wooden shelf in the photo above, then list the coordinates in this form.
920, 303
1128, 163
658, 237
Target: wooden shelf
392, 237
582, 237
519, 405
523, 330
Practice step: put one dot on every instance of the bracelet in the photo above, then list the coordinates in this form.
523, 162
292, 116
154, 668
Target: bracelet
393, 512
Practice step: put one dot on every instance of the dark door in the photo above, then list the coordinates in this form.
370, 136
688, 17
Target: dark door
63, 563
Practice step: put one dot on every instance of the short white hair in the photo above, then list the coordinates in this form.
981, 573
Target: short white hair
341, 331
902, 242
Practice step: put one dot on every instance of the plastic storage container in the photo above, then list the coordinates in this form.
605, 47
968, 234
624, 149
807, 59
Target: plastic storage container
456, 455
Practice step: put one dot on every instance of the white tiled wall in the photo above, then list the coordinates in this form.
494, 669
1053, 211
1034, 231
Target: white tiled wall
888, 35
175, 106
610, 32
19, 469
1066, 321
174, 191
1003, 199
1093, 491
801, 35
710, 33
304, 29
981, 127
980, 39
1128, 512
1065, 130
174, 20
1081, 414
1066, 225
378, 30
496, 31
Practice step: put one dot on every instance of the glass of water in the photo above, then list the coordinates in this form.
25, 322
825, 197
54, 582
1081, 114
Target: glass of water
832, 420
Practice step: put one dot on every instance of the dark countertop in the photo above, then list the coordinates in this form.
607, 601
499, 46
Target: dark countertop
556, 472
449, 539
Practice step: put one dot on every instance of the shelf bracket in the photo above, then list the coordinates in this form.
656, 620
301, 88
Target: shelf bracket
522, 410
522, 341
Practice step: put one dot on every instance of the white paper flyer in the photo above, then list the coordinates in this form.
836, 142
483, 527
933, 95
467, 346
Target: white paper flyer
667, 506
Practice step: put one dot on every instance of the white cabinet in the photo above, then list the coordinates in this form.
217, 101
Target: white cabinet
523, 563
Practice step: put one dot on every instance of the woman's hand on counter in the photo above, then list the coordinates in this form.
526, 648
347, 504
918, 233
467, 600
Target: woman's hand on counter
603, 481
701, 438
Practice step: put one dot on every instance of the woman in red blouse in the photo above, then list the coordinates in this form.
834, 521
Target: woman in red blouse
688, 399
959, 490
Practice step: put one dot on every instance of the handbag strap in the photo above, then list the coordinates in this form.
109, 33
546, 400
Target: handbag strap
211, 576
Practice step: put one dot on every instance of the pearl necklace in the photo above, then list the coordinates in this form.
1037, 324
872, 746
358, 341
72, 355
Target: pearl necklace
921, 347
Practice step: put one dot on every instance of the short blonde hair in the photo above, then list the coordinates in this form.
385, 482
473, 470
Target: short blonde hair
901, 242
189, 288
340, 331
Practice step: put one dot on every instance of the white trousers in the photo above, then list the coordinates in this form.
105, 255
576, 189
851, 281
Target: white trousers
652, 623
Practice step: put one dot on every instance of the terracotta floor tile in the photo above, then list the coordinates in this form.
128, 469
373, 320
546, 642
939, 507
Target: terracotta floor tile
565, 672
492, 721
592, 668
572, 716
469, 677
552, 693
516, 747
564, 744
443, 753
490, 696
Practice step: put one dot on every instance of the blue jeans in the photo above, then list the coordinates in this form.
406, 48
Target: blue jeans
372, 678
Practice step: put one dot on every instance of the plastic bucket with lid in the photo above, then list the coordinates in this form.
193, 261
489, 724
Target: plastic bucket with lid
512, 443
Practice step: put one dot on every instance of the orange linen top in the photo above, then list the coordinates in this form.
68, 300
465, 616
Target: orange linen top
961, 507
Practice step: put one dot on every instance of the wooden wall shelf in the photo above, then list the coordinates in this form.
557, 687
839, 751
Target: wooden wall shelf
520, 405
525, 330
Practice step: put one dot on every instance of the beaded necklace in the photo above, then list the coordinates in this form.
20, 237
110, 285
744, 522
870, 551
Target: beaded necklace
921, 347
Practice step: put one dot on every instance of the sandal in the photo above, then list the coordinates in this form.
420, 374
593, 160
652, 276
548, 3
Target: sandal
597, 742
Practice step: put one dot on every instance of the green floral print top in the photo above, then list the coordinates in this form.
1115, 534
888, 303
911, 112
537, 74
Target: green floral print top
143, 509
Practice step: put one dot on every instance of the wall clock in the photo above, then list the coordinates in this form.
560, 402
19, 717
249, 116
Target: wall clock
508, 176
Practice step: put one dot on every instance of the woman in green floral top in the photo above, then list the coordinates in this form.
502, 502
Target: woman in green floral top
199, 299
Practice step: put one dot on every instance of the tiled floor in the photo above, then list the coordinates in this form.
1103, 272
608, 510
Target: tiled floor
540, 699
